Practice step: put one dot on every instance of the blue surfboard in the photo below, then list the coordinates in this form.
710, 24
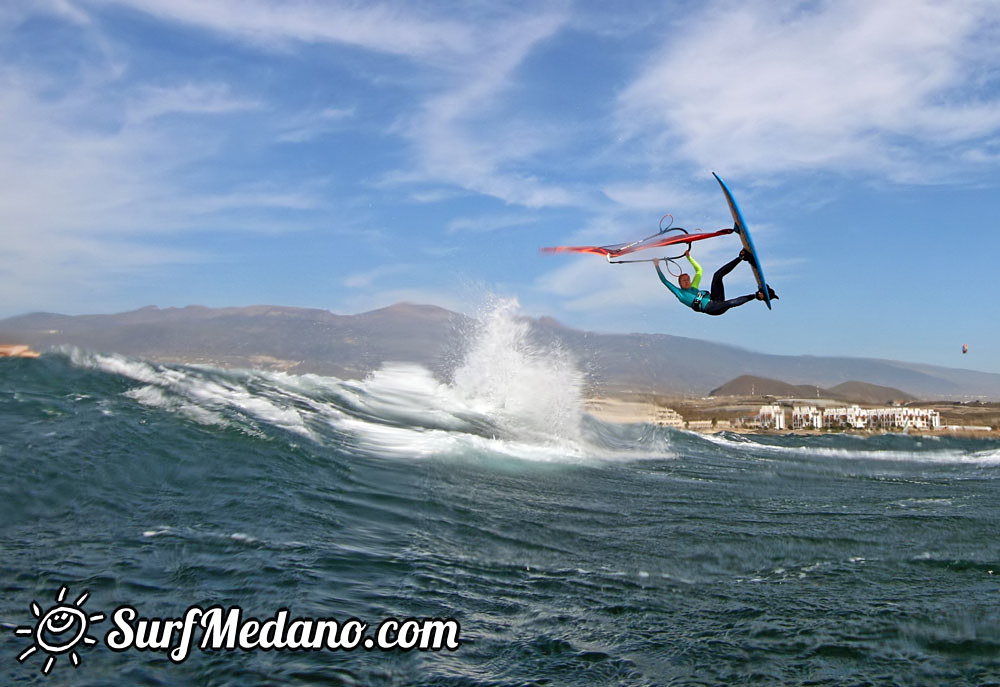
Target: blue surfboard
740, 226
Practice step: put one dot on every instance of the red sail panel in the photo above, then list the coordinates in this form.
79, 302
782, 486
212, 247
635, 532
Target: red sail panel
619, 249
598, 250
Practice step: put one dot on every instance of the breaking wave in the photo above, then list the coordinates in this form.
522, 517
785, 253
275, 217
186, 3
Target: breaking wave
508, 397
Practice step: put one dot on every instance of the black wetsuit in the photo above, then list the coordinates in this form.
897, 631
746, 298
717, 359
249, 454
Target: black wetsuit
718, 303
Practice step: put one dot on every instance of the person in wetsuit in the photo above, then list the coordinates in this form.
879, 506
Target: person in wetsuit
709, 302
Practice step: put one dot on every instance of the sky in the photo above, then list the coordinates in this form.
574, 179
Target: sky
352, 155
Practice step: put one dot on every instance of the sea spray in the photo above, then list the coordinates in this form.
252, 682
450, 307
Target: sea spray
507, 394
531, 391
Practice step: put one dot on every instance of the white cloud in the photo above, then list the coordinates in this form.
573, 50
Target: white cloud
308, 126
767, 87
469, 52
13, 12
488, 223
189, 98
591, 285
467, 135
661, 195
364, 280
382, 27
94, 187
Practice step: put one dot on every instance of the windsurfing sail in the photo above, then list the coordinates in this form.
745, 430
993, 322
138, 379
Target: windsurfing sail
655, 241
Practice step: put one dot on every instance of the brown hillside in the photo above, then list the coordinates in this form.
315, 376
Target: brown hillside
851, 392
862, 392
749, 385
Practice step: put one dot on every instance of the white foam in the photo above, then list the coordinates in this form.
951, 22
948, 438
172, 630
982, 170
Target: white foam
509, 397
195, 394
944, 456
155, 397
408, 394
159, 531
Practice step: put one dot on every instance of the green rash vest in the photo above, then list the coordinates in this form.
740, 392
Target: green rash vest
686, 296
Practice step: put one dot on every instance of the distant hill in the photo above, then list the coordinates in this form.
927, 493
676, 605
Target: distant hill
871, 393
301, 340
750, 385
298, 340
856, 392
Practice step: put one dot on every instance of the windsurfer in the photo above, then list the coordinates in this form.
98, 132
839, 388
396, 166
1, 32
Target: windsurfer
709, 302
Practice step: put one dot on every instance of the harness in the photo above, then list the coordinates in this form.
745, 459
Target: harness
696, 303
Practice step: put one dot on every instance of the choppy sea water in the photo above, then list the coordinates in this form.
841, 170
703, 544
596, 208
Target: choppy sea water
569, 551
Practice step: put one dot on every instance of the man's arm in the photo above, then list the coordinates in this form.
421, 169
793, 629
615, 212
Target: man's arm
696, 281
666, 282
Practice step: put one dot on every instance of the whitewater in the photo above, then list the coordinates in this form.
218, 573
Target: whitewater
570, 551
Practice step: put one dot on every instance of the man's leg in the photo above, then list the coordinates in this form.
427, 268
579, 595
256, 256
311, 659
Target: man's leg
718, 289
714, 307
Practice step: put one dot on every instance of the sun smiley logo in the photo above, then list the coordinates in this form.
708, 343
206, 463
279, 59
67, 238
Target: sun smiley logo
59, 630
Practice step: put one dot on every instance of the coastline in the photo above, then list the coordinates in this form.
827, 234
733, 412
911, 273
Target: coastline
711, 415
17, 351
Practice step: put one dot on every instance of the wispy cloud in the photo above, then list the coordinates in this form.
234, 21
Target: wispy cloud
14, 12
663, 195
94, 187
373, 26
308, 126
488, 223
770, 87
460, 132
467, 135
367, 278
150, 102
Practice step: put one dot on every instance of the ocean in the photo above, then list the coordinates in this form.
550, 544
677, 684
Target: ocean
555, 549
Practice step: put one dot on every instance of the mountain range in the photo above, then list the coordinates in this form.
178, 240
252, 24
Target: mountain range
302, 340
855, 392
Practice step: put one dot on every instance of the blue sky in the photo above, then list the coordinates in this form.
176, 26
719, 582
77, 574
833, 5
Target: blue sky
350, 155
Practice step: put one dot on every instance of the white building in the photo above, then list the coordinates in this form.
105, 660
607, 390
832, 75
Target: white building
806, 417
848, 417
853, 417
667, 417
856, 417
771, 417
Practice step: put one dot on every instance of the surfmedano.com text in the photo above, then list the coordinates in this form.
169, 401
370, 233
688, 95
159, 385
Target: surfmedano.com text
219, 629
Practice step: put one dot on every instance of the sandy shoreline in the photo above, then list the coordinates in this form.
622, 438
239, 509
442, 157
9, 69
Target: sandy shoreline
17, 351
